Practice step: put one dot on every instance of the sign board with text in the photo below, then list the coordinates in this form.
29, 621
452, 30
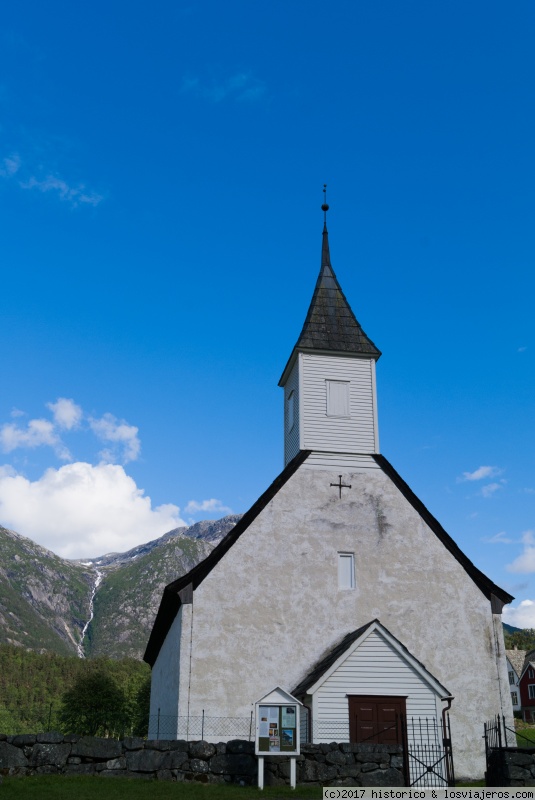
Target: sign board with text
277, 724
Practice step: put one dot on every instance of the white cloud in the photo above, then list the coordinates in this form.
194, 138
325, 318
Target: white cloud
525, 562
491, 488
211, 506
83, 511
523, 616
109, 429
498, 538
522, 349
68, 417
75, 195
243, 86
480, 473
9, 166
66, 413
38, 432
16, 412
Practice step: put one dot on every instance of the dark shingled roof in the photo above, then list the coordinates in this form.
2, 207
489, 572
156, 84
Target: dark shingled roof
175, 592
321, 667
330, 324
488, 587
338, 650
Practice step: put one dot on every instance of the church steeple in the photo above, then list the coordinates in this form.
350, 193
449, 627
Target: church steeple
329, 379
330, 324
325, 254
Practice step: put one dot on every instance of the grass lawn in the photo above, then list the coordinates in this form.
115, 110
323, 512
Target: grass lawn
59, 787
524, 734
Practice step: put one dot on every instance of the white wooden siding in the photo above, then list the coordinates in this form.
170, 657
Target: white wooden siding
291, 438
374, 668
351, 462
355, 434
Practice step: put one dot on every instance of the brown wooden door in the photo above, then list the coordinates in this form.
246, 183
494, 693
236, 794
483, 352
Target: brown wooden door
375, 719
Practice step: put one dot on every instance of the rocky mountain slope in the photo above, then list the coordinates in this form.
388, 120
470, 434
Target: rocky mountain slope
46, 601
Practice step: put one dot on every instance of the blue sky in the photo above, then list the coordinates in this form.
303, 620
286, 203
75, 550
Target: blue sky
160, 182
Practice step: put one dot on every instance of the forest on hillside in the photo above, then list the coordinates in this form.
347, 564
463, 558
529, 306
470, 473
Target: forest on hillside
45, 691
522, 639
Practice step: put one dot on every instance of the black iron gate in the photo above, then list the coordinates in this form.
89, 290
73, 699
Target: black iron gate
500, 740
429, 755
426, 745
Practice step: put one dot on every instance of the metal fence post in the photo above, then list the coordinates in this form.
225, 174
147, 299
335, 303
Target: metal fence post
202, 726
251, 726
158, 725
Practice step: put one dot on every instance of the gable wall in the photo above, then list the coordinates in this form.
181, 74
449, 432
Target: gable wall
356, 434
374, 668
271, 608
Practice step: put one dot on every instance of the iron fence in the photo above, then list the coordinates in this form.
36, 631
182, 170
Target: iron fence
425, 743
498, 734
500, 738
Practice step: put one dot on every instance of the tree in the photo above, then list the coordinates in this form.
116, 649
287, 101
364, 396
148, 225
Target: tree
142, 709
524, 639
94, 706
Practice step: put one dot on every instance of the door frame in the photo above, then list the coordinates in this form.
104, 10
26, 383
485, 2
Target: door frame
398, 699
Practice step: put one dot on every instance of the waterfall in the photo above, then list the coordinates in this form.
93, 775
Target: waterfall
98, 579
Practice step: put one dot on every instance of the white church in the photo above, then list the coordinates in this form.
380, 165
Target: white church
338, 584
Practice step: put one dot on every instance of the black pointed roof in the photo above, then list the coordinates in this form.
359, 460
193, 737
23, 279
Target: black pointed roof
330, 324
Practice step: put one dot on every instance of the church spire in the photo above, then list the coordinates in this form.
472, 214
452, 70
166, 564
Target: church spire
330, 325
325, 254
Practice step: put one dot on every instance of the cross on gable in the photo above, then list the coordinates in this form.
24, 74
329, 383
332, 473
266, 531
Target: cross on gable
341, 485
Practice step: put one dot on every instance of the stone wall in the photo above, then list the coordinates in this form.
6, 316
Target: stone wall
230, 762
511, 766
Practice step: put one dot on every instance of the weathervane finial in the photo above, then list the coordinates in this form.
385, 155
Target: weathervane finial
325, 207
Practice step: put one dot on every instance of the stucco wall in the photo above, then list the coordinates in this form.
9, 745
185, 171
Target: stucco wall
165, 682
271, 607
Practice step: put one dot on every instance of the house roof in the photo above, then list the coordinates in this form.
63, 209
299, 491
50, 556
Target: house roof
328, 660
529, 662
517, 658
330, 324
488, 587
176, 592
171, 599
339, 650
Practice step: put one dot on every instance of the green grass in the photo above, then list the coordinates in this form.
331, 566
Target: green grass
59, 787
525, 734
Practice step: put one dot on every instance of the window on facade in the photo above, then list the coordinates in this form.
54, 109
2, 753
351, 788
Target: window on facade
531, 691
514, 698
346, 570
291, 410
531, 673
337, 398
511, 677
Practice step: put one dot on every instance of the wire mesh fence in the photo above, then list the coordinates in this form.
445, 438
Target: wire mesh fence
200, 727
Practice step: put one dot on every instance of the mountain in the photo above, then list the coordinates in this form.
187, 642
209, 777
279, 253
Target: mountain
510, 628
44, 599
46, 602
103, 606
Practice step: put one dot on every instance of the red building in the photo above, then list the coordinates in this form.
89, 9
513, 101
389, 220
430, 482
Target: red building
526, 686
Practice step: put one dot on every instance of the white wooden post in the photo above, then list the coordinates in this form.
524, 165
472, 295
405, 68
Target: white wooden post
260, 772
293, 762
